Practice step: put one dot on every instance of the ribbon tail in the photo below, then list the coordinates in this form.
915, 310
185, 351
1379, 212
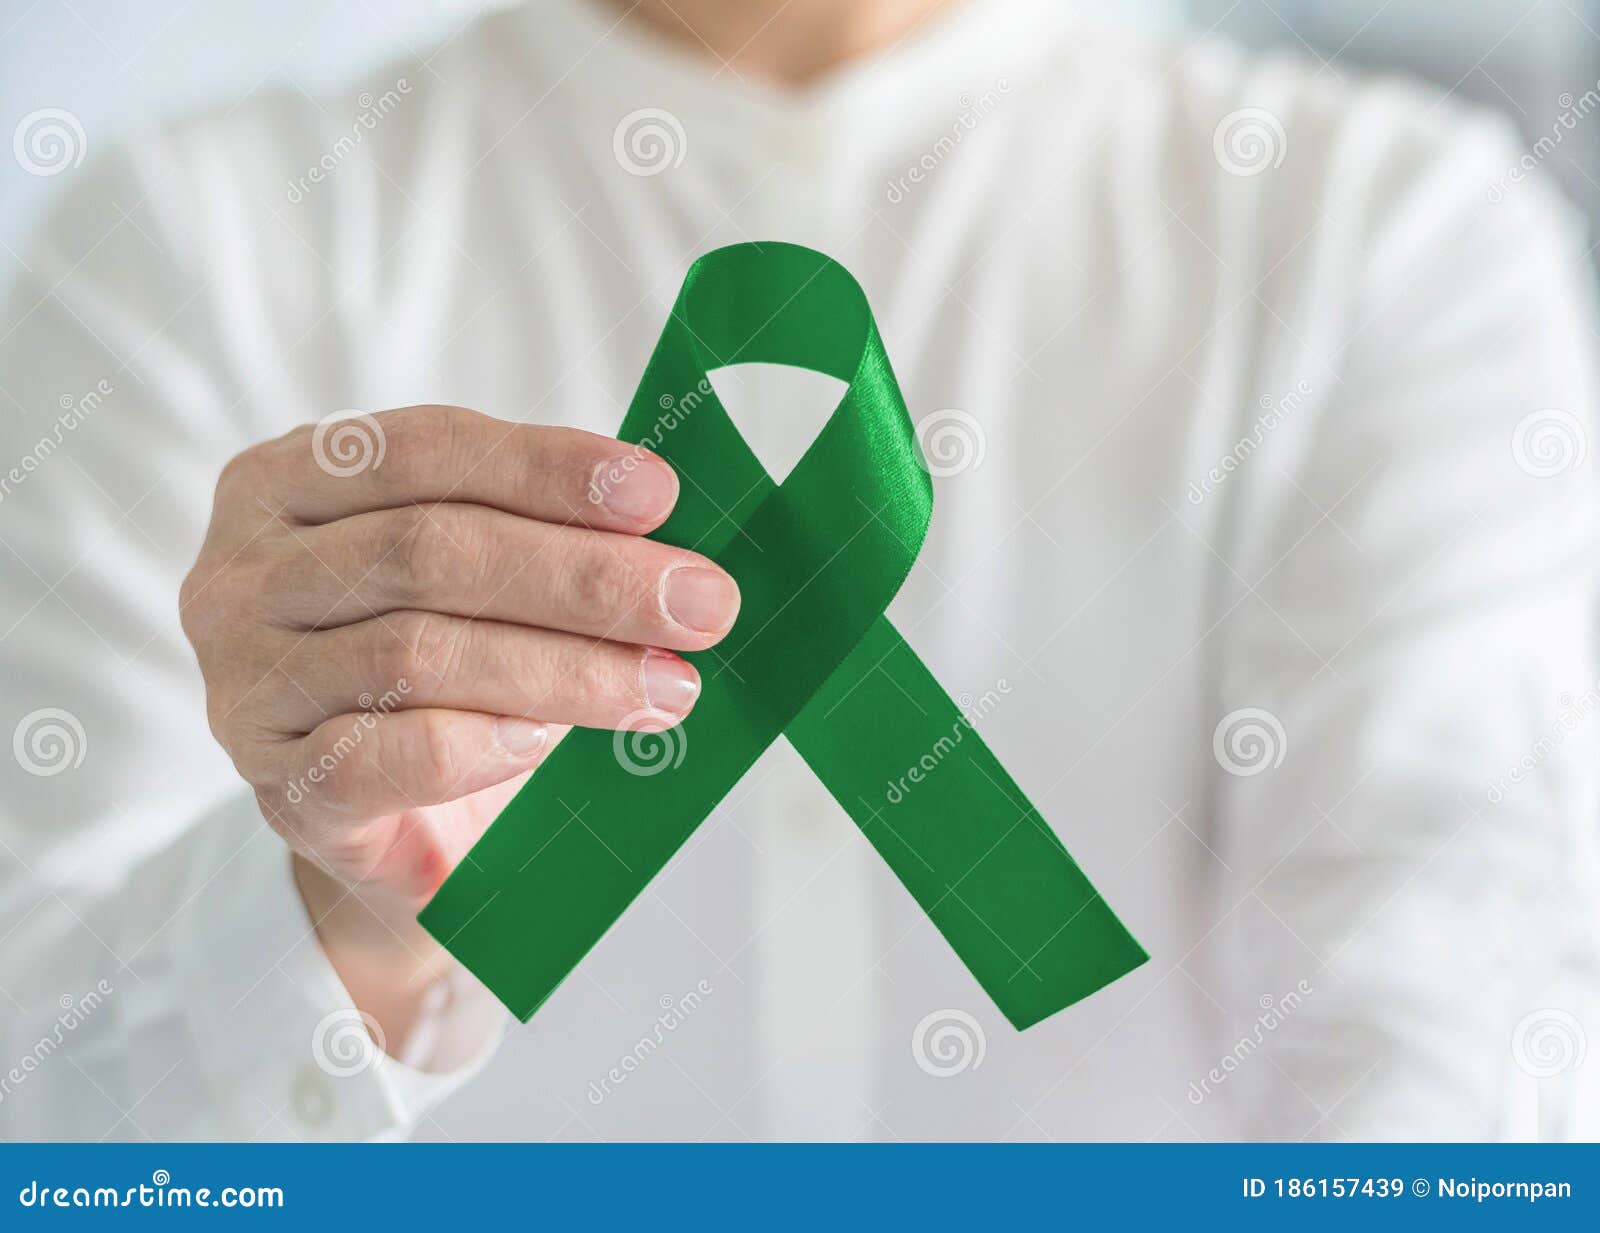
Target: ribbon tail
581, 841
959, 833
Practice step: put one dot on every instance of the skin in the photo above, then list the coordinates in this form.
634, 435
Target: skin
789, 42
473, 583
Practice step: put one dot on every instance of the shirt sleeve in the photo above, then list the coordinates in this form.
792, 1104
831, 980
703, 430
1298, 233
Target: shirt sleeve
1406, 781
158, 976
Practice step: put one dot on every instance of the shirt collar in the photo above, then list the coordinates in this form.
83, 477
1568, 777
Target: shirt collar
968, 50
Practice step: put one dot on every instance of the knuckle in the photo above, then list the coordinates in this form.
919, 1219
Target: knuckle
277, 567
610, 678
193, 605
331, 778
246, 745
435, 755
243, 737
291, 458
219, 719
417, 646
245, 678
570, 457
205, 594
330, 768
409, 551
208, 602
416, 439
269, 801
407, 439
598, 590
242, 476
459, 540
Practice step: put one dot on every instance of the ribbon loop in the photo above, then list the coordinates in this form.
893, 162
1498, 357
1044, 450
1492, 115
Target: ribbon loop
817, 559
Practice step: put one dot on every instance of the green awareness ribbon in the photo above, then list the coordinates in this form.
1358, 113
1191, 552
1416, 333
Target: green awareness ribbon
811, 657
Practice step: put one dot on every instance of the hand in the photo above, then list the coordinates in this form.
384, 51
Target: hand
390, 649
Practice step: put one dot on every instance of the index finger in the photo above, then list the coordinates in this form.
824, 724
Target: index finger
338, 468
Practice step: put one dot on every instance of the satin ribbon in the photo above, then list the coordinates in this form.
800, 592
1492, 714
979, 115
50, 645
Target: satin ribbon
812, 657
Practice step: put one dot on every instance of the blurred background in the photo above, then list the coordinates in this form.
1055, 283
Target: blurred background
117, 67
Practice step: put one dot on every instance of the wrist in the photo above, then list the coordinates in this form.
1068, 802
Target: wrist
387, 961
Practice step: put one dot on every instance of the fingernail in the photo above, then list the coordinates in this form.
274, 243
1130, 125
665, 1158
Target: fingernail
520, 738
670, 684
638, 487
704, 600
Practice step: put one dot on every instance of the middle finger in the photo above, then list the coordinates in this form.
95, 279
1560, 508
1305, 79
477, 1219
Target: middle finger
472, 561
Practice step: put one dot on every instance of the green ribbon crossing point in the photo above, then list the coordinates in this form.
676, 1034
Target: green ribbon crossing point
812, 658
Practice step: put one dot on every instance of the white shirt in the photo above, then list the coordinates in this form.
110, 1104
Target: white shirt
1265, 439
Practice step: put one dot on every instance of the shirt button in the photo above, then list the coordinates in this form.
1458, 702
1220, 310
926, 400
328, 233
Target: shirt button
313, 1103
